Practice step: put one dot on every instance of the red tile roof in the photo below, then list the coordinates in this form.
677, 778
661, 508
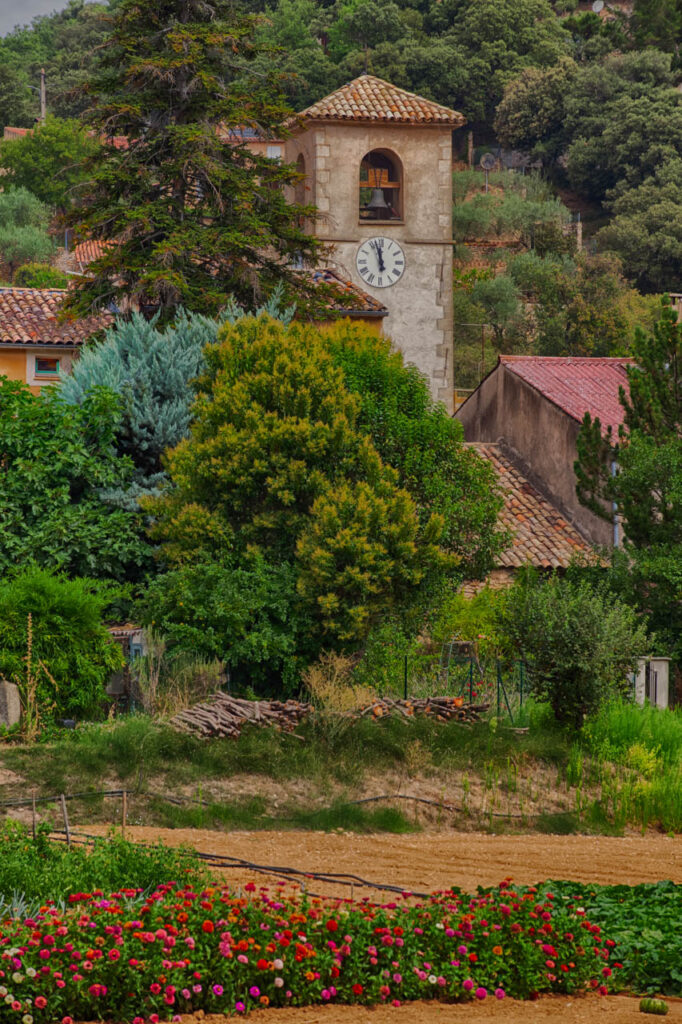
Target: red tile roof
349, 298
28, 316
91, 249
371, 99
576, 384
541, 535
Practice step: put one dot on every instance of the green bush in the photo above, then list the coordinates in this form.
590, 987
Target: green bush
40, 275
71, 652
578, 641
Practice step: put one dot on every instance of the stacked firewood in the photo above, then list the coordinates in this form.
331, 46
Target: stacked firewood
444, 709
223, 715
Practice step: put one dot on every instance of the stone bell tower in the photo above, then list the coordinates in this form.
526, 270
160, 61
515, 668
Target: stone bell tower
376, 161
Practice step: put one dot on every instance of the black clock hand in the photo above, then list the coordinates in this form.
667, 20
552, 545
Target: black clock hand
380, 257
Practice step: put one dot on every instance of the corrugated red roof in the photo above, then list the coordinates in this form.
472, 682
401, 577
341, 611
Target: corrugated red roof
577, 384
541, 536
29, 316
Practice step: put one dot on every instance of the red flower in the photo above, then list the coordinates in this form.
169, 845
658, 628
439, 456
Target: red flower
207, 926
332, 926
357, 990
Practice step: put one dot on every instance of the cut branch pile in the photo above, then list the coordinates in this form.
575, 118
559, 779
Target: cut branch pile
223, 715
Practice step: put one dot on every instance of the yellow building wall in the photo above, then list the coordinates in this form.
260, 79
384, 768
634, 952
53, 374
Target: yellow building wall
13, 364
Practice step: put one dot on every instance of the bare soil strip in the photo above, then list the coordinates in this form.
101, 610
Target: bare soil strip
430, 861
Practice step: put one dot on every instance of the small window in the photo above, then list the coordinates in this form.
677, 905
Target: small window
274, 152
46, 366
380, 186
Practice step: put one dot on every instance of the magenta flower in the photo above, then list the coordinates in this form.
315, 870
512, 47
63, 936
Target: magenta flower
254, 992
481, 992
467, 985
500, 993
217, 990
239, 1007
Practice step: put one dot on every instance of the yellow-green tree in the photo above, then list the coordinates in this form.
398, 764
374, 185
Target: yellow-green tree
278, 473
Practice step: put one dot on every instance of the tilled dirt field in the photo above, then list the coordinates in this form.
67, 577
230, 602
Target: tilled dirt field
426, 862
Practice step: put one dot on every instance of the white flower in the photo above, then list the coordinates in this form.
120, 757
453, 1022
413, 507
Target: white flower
3, 991
17, 978
9, 998
277, 964
30, 972
279, 982
440, 927
27, 1019
433, 979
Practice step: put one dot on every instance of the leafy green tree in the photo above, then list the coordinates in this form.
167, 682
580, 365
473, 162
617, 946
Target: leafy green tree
657, 24
615, 119
496, 40
646, 230
499, 298
278, 468
23, 228
72, 653
532, 111
17, 106
50, 161
56, 460
578, 642
418, 439
647, 487
195, 219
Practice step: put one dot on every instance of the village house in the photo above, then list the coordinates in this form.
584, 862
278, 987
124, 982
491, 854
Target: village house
35, 345
532, 407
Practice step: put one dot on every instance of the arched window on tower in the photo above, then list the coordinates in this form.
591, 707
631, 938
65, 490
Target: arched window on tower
381, 193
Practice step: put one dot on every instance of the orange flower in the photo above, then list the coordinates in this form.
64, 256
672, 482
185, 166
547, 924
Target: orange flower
497, 950
264, 1001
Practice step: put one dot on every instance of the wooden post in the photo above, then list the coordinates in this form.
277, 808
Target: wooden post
470, 149
43, 104
33, 809
124, 814
66, 819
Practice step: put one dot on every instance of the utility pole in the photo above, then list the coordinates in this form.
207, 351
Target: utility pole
43, 105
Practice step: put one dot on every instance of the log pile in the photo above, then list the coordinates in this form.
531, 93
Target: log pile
224, 715
443, 709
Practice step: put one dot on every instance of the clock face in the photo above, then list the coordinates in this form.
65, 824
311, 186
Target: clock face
380, 262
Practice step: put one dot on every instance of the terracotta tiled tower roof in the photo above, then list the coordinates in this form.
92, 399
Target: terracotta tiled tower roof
371, 99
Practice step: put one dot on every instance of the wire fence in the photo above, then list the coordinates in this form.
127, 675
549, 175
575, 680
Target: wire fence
451, 674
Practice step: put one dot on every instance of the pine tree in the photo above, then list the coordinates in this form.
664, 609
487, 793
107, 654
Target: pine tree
195, 218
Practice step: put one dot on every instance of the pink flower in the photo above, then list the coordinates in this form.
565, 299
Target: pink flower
239, 1007
217, 990
40, 1002
467, 985
481, 992
114, 954
254, 992
396, 1002
500, 993
325, 994
155, 988
186, 994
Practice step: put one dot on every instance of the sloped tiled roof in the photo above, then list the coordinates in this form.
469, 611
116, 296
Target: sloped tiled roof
371, 99
86, 252
28, 316
541, 535
351, 299
576, 384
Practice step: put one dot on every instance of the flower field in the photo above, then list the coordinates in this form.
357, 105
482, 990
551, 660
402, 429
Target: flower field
135, 957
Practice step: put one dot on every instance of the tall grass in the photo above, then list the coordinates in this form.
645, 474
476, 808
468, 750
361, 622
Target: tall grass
621, 725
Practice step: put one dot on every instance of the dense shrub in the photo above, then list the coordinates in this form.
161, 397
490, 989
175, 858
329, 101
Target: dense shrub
40, 275
71, 653
578, 641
